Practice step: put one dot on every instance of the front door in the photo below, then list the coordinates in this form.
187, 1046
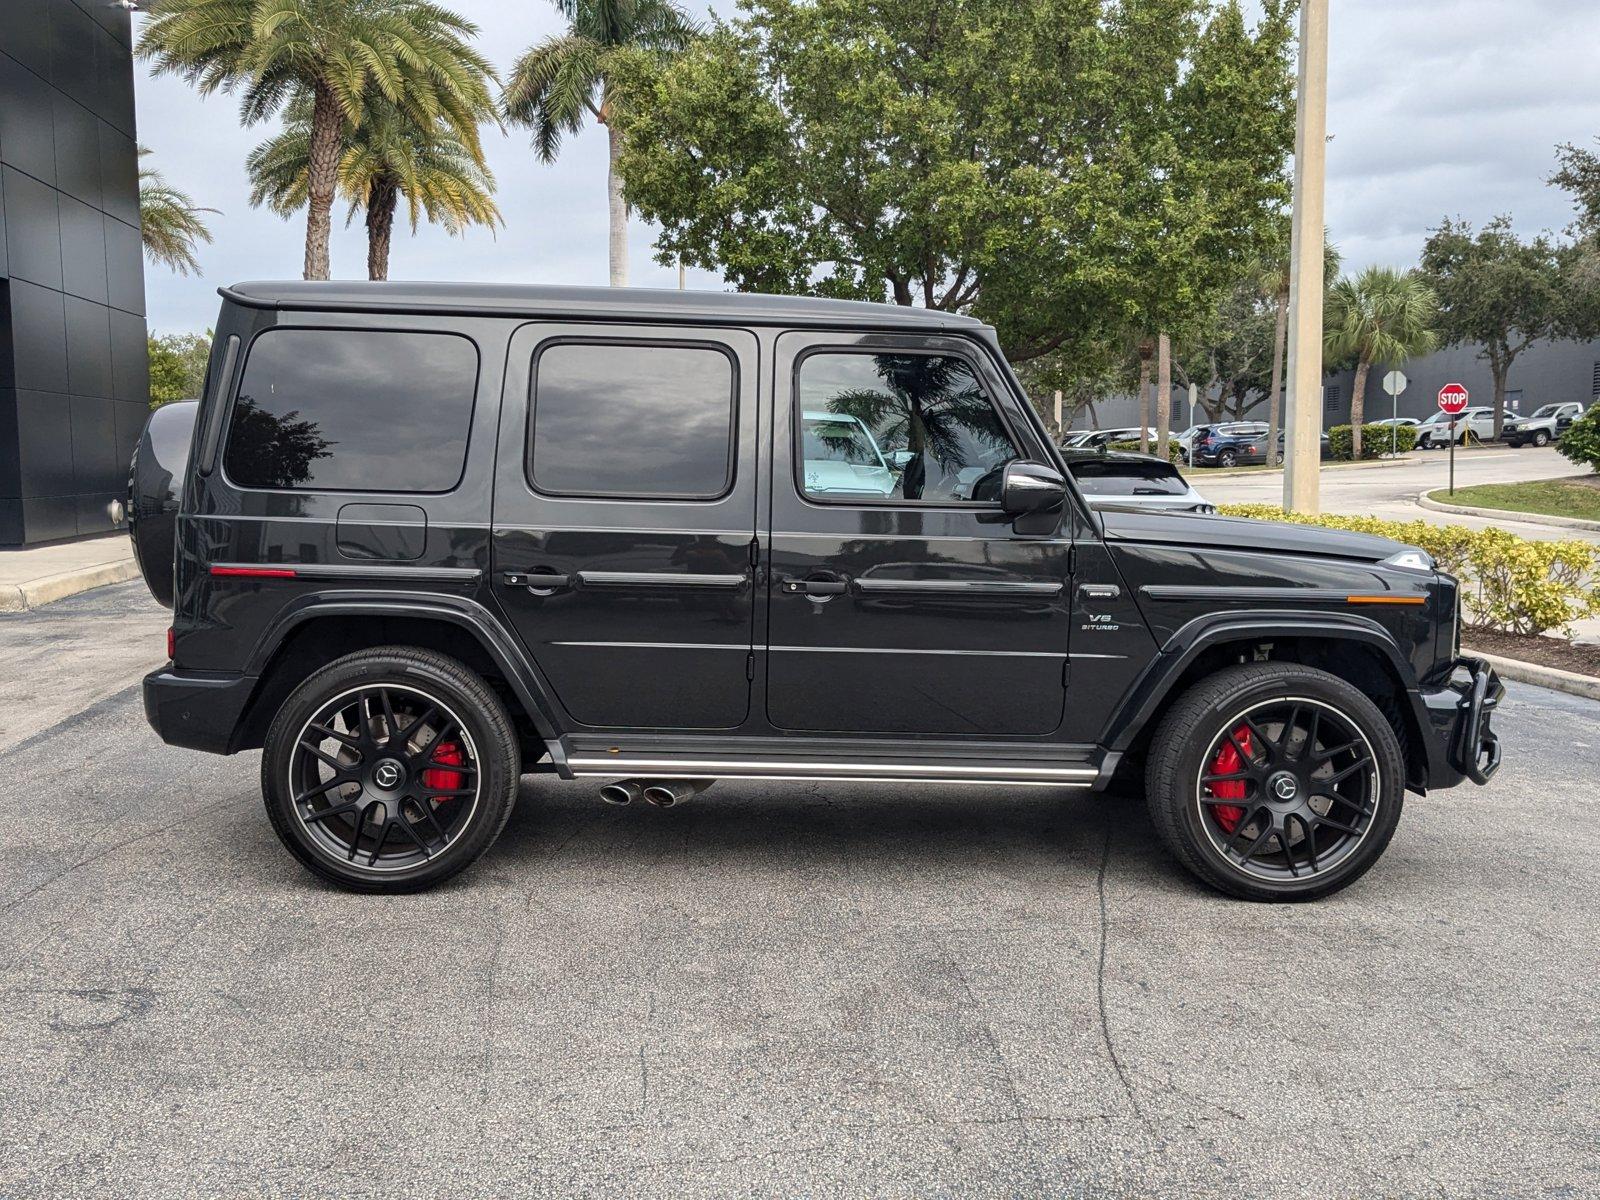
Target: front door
624, 520
900, 600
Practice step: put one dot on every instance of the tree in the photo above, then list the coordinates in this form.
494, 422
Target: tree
1071, 173
1227, 358
555, 85
1380, 316
170, 224
1271, 275
1499, 291
385, 159
177, 366
343, 53
1580, 175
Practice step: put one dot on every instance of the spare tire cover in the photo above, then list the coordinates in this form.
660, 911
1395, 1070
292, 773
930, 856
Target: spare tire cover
155, 486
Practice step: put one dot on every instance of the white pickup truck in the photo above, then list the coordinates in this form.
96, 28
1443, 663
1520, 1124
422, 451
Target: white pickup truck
1546, 425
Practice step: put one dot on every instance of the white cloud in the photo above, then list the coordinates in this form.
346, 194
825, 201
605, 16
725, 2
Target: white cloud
1436, 107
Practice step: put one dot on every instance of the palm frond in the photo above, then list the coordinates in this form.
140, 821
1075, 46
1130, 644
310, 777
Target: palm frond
169, 222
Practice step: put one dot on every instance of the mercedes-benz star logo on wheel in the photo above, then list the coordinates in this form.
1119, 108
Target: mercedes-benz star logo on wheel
1285, 787
386, 774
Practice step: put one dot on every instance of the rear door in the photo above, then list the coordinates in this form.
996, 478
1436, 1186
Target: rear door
624, 519
901, 600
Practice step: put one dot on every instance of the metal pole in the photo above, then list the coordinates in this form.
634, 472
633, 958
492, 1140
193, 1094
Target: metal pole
1394, 424
1303, 412
1452, 456
682, 277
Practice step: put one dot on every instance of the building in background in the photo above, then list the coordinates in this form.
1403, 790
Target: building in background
74, 387
1545, 373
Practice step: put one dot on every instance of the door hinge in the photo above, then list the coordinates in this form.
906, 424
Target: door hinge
1066, 672
1072, 559
750, 666
755, 552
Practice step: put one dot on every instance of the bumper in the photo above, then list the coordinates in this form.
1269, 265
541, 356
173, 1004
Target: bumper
1462, 745
199, 712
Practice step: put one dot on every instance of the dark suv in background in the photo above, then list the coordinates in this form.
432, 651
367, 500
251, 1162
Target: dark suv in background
426, 538
1232, 444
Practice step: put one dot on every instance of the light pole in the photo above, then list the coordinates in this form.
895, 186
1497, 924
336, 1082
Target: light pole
1303, 415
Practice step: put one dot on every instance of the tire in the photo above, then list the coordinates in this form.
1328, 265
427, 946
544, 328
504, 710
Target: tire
1227, 459
1193, 740
1541, 438
389, 700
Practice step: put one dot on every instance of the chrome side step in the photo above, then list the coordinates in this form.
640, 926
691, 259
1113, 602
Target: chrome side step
855, 771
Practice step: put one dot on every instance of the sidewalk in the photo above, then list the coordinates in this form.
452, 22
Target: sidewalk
31, 576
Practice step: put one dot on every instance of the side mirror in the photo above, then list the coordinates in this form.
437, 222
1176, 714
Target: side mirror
900, 459
1030, 487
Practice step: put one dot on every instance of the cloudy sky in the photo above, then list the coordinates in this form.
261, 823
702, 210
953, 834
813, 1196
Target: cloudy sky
1436, 107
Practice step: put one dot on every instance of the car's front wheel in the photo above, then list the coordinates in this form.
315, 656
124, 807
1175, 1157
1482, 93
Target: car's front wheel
1275, 781
390, 770
1541, 438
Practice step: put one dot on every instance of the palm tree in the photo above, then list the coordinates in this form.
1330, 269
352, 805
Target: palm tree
384, 159
413, 53
169, 222
1382, 316
555, 85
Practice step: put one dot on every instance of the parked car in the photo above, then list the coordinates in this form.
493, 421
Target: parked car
433, 537
1324, 446
841, 458
1409, 421
1127, 478
1545, 425
1093, 438
1228, 445
1436, 430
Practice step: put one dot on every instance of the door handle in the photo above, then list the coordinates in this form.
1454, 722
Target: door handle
815, 587
540, 583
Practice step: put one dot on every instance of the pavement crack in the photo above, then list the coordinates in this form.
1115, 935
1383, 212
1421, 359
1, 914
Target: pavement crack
1100, 987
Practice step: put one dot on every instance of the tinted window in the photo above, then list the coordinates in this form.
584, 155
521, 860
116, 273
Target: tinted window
912, 427
1112, 478
353, 410
619, 419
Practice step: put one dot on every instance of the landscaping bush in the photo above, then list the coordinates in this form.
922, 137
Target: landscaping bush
1581, 441
1375, 440
1508, 583
1174, 454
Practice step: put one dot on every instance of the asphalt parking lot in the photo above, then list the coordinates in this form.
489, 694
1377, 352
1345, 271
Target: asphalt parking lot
776, 990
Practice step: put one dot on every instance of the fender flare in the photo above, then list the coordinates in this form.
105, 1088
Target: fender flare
460, 611
1156, 682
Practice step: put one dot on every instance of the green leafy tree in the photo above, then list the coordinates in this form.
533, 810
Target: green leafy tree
386, 159
564, 80
413, 53
1501, 292
177, 366
1072, 173
170, 224
1380, 316
1580, 175
1271, 276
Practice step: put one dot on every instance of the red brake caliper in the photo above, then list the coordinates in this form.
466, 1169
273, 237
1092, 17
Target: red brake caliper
444, 781
1228, 762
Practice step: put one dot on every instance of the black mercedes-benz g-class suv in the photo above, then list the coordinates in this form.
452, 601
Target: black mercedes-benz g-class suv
427, 538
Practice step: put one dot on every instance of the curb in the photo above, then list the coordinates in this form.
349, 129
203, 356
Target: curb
1426, 500
47, 589
1587, 686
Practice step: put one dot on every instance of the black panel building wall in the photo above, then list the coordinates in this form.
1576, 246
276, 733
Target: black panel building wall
74, 386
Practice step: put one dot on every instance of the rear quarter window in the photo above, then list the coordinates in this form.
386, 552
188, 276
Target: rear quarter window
353, 410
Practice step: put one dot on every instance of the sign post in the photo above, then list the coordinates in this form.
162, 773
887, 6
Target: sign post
1453, 402
1394, 383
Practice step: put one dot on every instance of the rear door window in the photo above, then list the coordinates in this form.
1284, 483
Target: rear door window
353, 410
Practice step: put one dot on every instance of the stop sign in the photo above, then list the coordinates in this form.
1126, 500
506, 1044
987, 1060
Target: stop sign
1453, 399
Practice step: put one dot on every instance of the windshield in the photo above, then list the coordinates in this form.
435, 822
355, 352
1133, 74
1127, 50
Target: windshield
1128, 478
840, 441
1549, 410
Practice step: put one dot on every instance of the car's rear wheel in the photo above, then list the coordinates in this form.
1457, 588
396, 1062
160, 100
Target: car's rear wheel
1275, 781
390, 770
1227, 459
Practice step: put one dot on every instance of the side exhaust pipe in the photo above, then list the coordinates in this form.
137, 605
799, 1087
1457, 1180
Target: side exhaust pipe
622, 792
669, 793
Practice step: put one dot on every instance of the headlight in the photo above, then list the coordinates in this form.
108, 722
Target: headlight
1410, 560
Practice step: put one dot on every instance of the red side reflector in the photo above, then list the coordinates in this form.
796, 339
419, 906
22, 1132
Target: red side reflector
254, 572
172, 643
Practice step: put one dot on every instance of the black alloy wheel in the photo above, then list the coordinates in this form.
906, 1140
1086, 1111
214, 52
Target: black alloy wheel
1275, 781
390, 769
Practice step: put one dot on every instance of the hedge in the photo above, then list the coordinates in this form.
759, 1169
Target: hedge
1174, 452
1375, 440
1581, 441
1508, 583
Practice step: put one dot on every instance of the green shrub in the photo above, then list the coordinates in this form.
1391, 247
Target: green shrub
1581, 441
1508, 583
1173, 452
1376, 440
